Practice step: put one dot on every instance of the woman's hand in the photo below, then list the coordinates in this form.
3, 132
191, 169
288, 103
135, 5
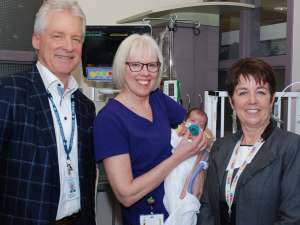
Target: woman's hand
188, 147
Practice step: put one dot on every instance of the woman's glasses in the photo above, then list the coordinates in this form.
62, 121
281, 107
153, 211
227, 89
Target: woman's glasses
152, 67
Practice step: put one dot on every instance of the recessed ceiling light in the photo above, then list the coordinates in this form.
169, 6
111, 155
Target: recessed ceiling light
280, 8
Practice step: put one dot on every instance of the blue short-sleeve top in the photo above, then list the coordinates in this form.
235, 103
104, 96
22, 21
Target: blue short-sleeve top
118, 130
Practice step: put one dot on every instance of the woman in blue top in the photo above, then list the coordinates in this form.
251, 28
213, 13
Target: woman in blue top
132, 131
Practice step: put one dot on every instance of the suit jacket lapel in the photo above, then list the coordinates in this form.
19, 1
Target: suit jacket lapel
42, 106
221, 159
264, 157
44, 120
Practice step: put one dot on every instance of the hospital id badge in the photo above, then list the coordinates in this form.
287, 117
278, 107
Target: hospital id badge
152, 219
71, 188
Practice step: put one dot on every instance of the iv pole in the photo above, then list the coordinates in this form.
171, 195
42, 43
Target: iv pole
172, 20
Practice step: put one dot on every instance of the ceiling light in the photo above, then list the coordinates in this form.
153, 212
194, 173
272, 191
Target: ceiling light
280, 8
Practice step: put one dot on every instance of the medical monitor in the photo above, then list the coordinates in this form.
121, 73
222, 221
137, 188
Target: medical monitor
100, 46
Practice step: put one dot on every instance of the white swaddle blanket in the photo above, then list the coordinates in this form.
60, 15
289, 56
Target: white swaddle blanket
181, 211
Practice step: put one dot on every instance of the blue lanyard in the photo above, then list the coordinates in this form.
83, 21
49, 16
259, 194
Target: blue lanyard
67, 150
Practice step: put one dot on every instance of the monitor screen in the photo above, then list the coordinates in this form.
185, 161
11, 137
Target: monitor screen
100, 46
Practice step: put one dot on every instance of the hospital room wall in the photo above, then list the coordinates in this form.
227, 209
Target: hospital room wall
106, 12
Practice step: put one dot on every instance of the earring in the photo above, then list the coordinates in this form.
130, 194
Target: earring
234, 121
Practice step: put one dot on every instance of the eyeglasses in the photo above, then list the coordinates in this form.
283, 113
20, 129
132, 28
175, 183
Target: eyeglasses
152, 67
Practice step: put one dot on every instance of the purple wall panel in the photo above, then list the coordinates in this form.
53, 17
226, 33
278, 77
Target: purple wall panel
196, 61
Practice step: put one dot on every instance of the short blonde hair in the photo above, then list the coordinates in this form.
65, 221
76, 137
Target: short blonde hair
128, 47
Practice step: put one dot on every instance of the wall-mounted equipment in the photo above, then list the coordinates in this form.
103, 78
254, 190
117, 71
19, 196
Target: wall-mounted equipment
100, 46
172, 89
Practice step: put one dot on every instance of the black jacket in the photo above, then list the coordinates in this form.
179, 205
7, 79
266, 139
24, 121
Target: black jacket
268, 191
29, 174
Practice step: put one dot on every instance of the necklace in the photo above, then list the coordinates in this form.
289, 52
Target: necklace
142, 109
231, 181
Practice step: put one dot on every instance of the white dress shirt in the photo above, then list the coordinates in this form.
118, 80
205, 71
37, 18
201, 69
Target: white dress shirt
62, 100
242, 154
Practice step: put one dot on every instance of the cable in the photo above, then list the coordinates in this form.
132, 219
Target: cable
203, 165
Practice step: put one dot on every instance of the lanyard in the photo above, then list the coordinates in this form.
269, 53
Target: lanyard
231, 182
62, 133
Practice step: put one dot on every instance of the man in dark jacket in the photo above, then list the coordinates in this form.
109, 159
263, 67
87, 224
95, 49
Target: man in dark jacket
47, 171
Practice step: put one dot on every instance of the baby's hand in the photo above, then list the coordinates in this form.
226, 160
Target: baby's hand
181, 130
209, 136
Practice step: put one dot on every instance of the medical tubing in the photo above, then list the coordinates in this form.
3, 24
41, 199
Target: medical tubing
201, 166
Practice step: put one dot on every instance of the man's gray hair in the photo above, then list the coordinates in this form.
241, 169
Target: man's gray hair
48, 6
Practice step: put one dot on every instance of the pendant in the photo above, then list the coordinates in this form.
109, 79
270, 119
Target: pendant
69, 167
229, 212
